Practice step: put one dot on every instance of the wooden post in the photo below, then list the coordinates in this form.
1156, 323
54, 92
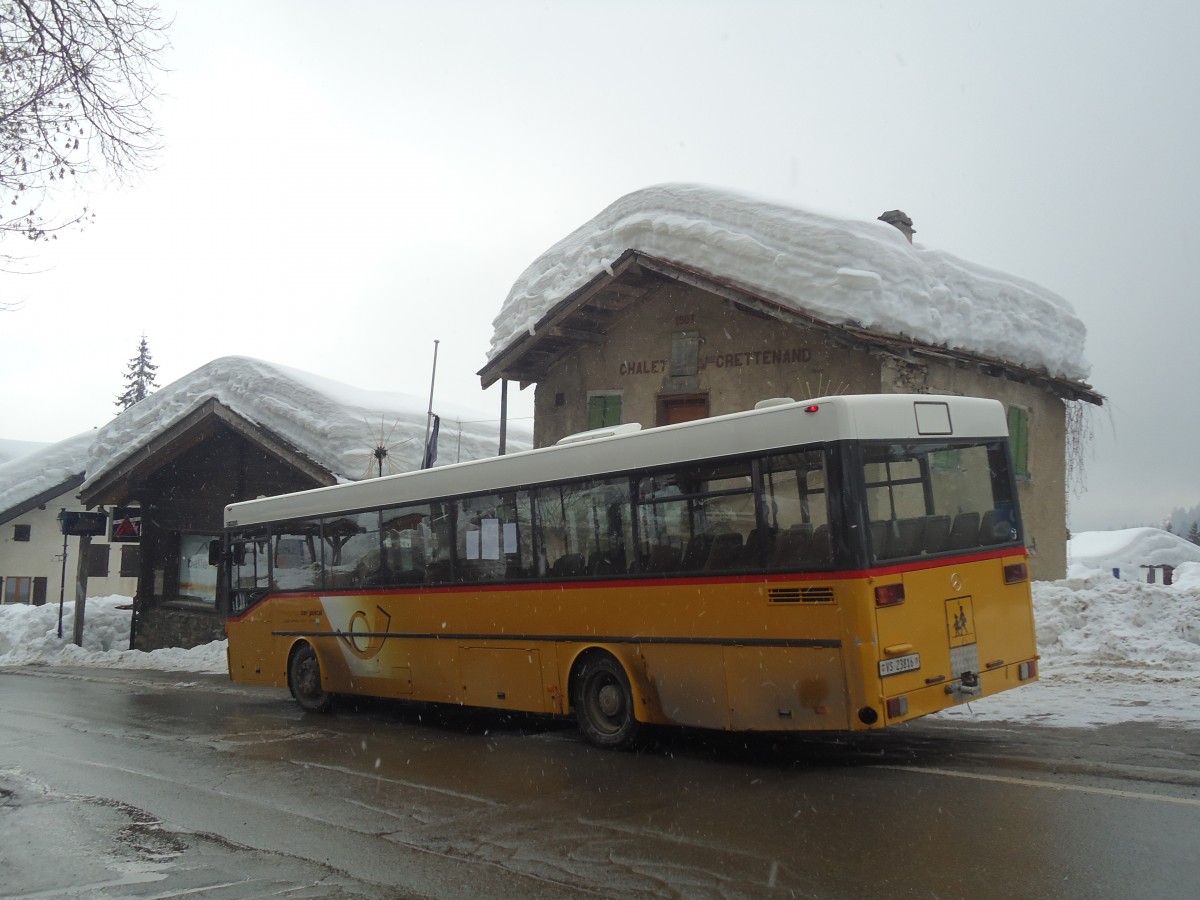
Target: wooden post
81, 577
62, 584
503, 415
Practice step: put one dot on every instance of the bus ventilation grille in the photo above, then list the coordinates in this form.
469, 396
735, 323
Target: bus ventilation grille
801, 595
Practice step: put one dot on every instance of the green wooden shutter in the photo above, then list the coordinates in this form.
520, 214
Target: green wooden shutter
1018, 438
604, 410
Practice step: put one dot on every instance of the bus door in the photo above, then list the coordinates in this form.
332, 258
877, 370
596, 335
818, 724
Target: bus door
251, 655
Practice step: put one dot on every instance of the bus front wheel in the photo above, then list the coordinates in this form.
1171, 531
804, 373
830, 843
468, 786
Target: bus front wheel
603, 702
304, 680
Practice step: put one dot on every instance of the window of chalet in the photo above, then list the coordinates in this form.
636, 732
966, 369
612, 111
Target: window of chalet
18, 589
197, 575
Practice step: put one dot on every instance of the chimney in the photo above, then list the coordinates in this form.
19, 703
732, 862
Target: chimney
901, 221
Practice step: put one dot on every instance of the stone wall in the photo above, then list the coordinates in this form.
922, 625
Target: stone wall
176, 625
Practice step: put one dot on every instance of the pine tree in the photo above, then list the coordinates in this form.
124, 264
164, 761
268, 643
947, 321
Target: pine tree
139, 377
1194, 533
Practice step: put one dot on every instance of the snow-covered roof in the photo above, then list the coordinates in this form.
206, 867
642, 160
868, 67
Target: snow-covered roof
333, 424
10, 449
46, 468
838, 270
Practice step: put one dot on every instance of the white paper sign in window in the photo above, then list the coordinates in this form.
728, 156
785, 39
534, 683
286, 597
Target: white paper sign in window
491, 539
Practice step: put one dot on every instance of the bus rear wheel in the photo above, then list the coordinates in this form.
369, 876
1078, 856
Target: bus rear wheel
603, 702
304, 680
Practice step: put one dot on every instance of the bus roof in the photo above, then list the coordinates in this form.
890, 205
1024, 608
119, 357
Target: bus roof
774, 427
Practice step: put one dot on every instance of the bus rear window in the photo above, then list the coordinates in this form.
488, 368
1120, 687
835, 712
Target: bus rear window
925, 499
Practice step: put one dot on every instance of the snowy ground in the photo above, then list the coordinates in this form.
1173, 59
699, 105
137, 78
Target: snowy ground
1113, 649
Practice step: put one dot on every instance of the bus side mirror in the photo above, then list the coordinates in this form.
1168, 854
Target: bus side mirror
214, 553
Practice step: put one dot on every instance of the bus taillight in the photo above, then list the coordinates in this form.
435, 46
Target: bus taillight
1027, 670
889, 594
1016, 573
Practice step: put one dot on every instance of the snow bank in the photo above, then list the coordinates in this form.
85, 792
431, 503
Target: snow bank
1128, 550
29, 636
839, 270
1102, 622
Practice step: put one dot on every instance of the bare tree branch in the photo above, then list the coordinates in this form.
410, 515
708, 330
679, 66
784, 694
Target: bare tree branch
76, 89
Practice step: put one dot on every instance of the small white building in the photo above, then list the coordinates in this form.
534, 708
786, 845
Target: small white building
34, 490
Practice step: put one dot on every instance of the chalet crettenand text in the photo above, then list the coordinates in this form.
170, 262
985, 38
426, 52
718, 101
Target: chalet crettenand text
770, 357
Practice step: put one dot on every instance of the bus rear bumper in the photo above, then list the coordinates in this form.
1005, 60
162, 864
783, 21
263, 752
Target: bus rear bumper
946, 693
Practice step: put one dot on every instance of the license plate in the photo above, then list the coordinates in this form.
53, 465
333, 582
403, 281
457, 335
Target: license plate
898, 664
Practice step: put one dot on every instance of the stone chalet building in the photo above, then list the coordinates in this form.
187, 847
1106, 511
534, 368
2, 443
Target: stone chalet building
679, 302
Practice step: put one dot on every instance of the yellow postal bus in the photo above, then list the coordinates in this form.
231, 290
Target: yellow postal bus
837, 564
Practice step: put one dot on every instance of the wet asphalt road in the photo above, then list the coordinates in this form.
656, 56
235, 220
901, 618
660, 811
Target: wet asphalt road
137, 784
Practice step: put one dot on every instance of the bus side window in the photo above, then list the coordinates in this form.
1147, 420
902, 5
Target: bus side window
550, 529
438, 544
402, 543
695, 519
796, 502
516, 523
297, 556
354, 551
662, 524
494, 540
583, 528
477, 545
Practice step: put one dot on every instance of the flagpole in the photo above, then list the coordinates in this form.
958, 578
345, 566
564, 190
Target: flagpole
429, 413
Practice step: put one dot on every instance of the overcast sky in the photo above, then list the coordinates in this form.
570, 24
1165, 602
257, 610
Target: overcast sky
342, 185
